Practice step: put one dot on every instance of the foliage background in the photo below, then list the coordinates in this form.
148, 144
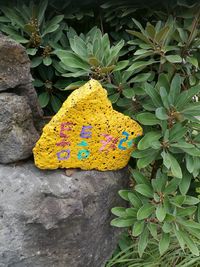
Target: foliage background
146, 54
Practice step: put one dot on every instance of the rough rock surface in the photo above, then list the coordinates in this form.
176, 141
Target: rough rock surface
15, 72
48, 219
17, 132
87, 133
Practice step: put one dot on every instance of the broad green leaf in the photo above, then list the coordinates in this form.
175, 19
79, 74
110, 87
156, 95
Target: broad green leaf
44, 99
124, 194
164, 243
36, 61
53, 24
182, 212
140, 64
179, 237
119, 211
166, 159
177, 132
47, 61
140, 178
160, 213
190, 243
147, 118
175, 88
113, 98
147, 140
145, 211
161, 113
167, 227
144, 190
174, 58
55, 103
153, 230
119, 222
137, 228
175, 167
153, 94
75, 85
145, 161
128, 92
142, 77
172, 186
193, 61
189, 200
141, 153
131, 212
134, 200
185, 183
143, 241
121, 65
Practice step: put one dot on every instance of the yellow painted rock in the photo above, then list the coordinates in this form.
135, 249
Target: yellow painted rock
87, 133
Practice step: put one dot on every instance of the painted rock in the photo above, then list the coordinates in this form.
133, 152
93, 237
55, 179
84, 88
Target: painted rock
87, 133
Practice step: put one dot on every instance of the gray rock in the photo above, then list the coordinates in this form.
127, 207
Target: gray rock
48, 219
15, 72
17, 132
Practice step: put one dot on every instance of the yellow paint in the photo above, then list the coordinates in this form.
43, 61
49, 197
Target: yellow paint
106, 139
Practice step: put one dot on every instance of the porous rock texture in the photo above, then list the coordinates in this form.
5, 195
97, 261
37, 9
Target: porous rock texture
17, 132
48, 219
15, 73
87, 133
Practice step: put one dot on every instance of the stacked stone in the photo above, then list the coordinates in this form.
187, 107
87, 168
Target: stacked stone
19, 107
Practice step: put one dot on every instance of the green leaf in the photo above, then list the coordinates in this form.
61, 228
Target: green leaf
75, 85
53, 24
38, 83
119, 211
124, 194
140, 178
145, 211
179, 237
144, 162
166, 159
55, 103
113, 98
182, 212
137, 228
191, 200
189, 243
160, 213
119, 222
164, 243
193, 61
185, 183
147, 118
44, 99
174, 58
140, 64
128, 92
144, 190
172, 186
161, 114
175, 167
153, 230
147, 140
121, 65
47, 61
36, 61
143, 241
175, 88
153, 94
134, 200
177, 132
72, 60
142, 77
